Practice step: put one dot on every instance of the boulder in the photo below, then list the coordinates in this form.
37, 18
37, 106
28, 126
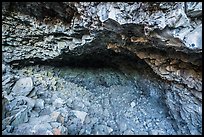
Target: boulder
23, 86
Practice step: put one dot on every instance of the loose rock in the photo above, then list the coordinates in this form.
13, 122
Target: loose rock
23, 86
40, 103
80, 114
3, 68
102, 130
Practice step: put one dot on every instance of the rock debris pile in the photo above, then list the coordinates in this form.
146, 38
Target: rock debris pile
127, 68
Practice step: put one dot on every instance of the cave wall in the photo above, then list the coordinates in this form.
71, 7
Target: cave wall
167, 36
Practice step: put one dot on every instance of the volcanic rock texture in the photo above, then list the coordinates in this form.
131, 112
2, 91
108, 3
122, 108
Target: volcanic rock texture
101, 68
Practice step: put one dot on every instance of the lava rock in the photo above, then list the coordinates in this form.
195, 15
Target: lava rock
83, 34
156, 132
102, 130
55, 115
194, 38
40, 103
45, 111
42, 129
24, 129
122, 126
23, 86
130, 132
61, 130
55, 124
40, 119
9, 128
6, 121
58, 103
80, 114
21, 116
3, 68
73, 129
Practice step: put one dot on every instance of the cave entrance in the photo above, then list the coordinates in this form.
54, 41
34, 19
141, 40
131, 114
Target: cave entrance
121, 95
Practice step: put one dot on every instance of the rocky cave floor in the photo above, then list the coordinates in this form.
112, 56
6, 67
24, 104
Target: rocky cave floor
101, 68
88, 100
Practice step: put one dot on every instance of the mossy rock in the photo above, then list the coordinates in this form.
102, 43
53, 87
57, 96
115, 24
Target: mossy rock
49, 74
